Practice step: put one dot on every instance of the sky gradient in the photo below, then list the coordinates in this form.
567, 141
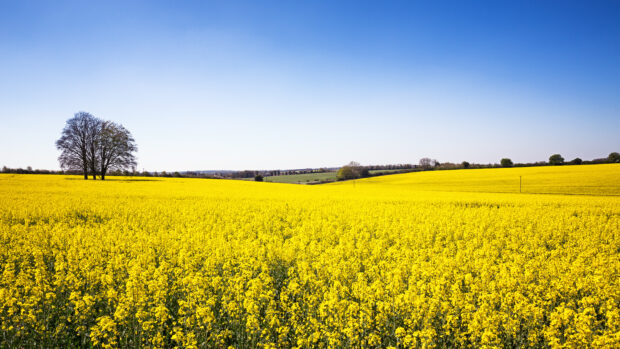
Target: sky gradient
267, 85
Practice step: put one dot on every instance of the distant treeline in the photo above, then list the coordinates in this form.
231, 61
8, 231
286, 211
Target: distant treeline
425, 164
555, 159
266, 173
29, 170
354, 170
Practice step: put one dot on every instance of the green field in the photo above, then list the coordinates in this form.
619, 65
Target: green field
309, 178
382, 172
303, 178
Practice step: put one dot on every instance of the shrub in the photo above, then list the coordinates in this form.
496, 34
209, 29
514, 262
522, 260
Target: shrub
346, 172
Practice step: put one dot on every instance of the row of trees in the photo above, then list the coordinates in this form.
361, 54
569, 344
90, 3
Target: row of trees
354, 170
94, 146
554, 160
557, 159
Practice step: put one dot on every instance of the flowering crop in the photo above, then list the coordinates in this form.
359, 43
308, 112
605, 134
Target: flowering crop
433, 259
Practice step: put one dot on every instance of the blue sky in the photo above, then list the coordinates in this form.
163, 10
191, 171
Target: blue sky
292, 84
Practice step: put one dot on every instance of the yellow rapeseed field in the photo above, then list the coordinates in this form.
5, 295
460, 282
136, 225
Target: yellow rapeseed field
436, 259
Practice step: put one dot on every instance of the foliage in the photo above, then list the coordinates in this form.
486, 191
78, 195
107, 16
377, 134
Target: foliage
505, 162
352, 171
428, 259
556, 159
346, 172
614, 157
258, 178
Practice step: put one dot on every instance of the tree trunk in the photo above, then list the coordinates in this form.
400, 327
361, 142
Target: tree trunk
94, 169
85, 173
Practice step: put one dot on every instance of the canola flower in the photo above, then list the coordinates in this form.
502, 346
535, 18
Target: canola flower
419, 260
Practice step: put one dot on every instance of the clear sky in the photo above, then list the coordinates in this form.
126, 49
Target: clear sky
293, 84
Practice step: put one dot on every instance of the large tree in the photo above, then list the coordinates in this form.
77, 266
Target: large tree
94, 146
346, 172
425, 163
556, 159
75, 142
115, 148
351, 171
506, 162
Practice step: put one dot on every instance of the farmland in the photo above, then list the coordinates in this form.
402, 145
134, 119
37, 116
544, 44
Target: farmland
305, 178
427, 259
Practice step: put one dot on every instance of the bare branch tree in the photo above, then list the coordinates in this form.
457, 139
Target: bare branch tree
75, 142
91, 145
115, 148
425, 163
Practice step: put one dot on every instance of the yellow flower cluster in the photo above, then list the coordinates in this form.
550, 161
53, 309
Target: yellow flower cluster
430, 260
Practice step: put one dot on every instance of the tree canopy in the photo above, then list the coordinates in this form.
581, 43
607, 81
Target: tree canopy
352, 170
506, 162
94, 146
75, 142
556, 159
